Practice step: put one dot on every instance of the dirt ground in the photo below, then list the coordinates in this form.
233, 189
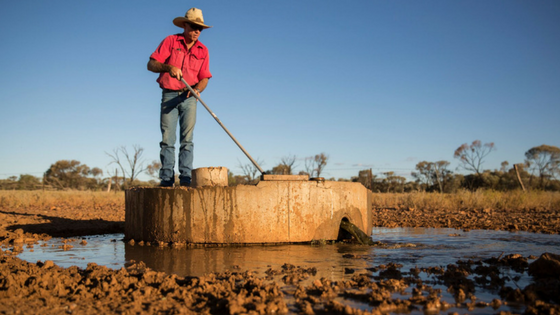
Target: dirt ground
49, 289
537, 220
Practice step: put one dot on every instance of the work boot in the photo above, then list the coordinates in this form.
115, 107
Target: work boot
166, 183
185, 182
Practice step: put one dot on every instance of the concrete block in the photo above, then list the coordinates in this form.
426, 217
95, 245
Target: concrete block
284, 177
276, 211
210, 176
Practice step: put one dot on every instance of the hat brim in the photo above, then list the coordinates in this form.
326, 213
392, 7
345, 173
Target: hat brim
181, 20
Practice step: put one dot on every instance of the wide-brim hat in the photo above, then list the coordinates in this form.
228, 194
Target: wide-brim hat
193, 16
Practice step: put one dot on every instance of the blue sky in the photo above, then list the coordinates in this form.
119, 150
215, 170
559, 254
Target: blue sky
372, 84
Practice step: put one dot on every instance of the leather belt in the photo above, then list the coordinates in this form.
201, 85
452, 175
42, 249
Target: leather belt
181, 91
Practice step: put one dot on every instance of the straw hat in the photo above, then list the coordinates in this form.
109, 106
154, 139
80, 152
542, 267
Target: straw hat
193, 16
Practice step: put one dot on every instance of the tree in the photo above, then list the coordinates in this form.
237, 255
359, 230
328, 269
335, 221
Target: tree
504, 166
135, 162
250, 171
314, 165
433, 174
96, 171
425, 174
234, 180
545, 160
472, 156
365, 177
320, 163
510, 178
285, 167
281, 169
308, 167
393, 182
442, 174
153, 169
28, 182
66, 174
9, 183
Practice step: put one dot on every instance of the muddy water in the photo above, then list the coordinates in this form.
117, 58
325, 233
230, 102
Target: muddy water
410, 247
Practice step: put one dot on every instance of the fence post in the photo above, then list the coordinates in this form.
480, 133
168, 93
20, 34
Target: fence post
518, 177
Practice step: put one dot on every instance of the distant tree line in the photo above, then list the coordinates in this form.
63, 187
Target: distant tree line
73, 175
540, 170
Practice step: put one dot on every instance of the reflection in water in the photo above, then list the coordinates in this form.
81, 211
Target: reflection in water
328, 259
411, 247
440, 247
105, 250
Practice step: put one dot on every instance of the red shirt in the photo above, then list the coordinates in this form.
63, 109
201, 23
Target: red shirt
194, 62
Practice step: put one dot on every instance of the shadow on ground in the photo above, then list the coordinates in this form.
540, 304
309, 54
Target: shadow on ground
64, 227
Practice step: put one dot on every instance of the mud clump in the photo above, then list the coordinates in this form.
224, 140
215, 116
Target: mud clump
47, 288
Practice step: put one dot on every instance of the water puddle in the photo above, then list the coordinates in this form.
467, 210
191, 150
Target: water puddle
107, 250
410, 247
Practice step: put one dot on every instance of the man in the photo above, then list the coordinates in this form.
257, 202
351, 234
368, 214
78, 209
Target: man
180, 56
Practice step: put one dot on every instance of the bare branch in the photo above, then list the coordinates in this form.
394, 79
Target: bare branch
472, 156
135, 162
250, 170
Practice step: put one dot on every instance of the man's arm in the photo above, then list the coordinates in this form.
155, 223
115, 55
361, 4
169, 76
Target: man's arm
201, 85
158, 67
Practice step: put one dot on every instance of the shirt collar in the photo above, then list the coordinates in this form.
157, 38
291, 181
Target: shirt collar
181, 37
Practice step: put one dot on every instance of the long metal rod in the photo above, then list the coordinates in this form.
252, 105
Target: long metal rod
224, 127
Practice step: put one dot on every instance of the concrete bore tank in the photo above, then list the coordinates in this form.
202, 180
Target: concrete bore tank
279, 209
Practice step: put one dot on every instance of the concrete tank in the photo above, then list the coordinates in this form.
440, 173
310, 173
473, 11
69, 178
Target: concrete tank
279, 209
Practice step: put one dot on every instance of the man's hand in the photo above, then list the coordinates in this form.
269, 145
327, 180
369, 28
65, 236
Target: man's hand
158, 67
197, 91
175, 72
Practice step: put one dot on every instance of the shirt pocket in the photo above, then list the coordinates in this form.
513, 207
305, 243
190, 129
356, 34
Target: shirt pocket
177, 57
195, 63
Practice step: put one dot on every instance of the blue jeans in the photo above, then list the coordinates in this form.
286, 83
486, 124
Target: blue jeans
175, 108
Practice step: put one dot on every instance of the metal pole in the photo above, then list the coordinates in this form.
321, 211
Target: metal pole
219, 122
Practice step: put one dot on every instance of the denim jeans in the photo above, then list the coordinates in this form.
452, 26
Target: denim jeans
175, 108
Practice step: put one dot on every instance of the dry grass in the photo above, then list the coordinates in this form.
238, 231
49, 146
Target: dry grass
467, 200
50, 199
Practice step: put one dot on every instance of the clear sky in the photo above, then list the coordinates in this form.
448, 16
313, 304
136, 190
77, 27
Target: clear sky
372, 84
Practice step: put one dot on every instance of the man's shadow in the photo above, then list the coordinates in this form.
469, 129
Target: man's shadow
64, 227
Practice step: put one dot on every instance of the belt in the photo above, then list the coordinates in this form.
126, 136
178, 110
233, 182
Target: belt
181, 91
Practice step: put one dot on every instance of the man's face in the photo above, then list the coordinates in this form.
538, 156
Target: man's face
192, 31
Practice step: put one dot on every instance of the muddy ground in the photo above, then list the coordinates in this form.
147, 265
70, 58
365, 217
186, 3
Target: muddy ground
535, 220
49, 289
